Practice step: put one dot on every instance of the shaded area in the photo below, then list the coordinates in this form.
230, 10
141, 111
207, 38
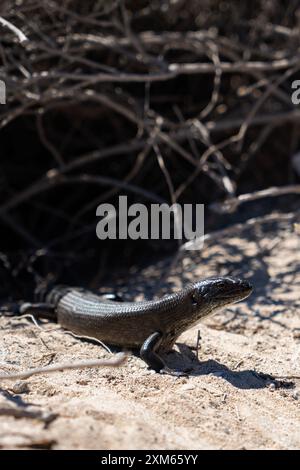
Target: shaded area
185, 101
247, 252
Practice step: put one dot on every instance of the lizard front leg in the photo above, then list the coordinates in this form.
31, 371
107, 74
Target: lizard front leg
148, 354
154, 361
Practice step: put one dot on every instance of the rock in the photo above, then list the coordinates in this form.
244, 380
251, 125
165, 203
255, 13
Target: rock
187, 387
272, 387
20, 387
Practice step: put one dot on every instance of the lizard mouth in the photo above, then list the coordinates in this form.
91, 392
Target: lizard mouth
241, 291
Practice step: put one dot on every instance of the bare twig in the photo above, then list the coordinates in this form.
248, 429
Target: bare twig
21, 36
230, 205
116, 361
18, 413
240, 227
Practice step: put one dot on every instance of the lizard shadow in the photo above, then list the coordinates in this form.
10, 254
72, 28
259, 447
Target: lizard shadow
15, 398
186, 360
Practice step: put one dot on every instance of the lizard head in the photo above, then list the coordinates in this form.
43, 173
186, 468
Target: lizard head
212, 294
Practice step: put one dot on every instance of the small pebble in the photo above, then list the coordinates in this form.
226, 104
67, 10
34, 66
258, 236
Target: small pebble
272, 387
187, 386
296, 333
20, 387
295, 395
83, 382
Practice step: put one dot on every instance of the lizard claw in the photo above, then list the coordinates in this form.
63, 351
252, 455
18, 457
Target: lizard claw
173, 372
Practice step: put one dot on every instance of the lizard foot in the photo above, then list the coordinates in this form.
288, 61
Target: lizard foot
173, 372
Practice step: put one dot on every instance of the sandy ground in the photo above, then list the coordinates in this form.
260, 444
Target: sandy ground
229, 400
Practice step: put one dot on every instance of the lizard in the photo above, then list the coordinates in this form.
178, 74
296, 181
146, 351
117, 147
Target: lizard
150, 326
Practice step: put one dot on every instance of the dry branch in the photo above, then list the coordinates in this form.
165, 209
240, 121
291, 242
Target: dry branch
178, 104
6, 24
116, 361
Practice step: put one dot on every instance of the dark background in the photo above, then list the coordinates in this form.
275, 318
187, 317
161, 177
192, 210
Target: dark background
97, 79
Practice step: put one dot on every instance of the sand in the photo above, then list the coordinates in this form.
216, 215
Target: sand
243, 391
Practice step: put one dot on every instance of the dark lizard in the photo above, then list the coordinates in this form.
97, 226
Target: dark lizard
152, 326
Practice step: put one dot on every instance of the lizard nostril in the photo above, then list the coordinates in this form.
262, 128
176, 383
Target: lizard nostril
246, 285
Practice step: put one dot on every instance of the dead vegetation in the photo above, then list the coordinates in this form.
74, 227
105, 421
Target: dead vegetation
162, 101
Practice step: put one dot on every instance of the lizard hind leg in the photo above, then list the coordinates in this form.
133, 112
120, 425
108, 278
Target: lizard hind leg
115, 297
39, 310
